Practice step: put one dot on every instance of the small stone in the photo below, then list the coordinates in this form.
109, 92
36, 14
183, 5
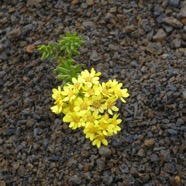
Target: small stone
154, 48
113, 47
175, 181
154, 158
2, 74
30, 122
134, 64
172, 132
105, 151
169, 168
160, 35
2, 183
75, 180
15, 166
74, 2
89, 2
141, 153
33, 2
1, 48
13, 34
167, 28
21, 171
30, 48
182, 12
100, 165
149, 143
177, 42
113, 9
94, 55
134, 172
173, 22
174, 3
184, 94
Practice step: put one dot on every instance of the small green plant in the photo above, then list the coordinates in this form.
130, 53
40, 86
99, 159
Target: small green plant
82, 99
62, 52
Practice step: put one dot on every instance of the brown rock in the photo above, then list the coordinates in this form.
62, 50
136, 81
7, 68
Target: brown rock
169, 168
21, 171
30, 48
13, 34
160, 35
130, 28
154, 48
90, 2
33, 2
177, 43
182, 13
2, 183
105, 151
149, 143
173, 22
74, 2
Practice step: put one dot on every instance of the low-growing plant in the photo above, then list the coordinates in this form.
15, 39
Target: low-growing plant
84, 101
62, 52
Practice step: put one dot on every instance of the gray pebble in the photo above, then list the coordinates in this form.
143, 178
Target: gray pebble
105, 151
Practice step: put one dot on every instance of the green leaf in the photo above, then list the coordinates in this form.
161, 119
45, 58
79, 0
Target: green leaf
61, 77
61, 70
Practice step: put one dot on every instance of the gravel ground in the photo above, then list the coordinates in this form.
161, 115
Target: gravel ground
142, 44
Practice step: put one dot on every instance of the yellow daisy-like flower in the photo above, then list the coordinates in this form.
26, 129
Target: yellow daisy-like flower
90, 117
105, 126
97, 104
115, 87
91, 130
90, 77
110, 105
115, 122
57, 108
69, 93
82, 105
121, 93
105, 90
91, 91
74, 119
100, 138
68, 107
77, 83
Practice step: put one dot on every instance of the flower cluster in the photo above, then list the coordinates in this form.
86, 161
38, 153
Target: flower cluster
86, 103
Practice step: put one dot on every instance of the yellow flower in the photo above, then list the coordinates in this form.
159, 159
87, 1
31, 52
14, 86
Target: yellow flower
74, 119
77, 83
105, 90
100, 138
82, 105
90, 78
112, 83
121, 93
97, 104
115, 122
105, 126
91, 130
118, 91
57, 108
68, 107
91, 91
110, 105
90, 117
69, 93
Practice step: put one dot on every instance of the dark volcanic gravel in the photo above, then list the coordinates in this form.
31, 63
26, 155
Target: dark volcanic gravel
140, 43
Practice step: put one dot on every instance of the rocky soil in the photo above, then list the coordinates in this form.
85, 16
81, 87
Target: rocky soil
140, 43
